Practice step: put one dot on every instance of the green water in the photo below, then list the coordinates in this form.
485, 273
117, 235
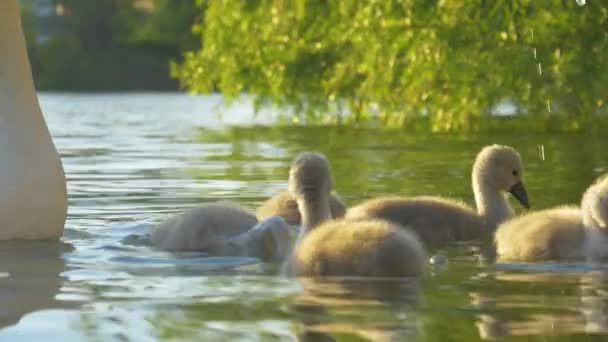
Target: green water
134, 159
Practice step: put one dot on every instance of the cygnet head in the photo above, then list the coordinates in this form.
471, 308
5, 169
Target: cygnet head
310, 185
272, 239
595, 204
309, 177
500, 167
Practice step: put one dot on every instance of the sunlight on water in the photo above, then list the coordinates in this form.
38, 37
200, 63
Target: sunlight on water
133, 159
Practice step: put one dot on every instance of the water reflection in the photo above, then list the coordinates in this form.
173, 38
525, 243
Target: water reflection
30, 278
574, 302
330, 309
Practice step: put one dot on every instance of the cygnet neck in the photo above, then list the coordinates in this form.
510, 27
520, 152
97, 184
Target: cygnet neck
492, 205
314, 211
588, 204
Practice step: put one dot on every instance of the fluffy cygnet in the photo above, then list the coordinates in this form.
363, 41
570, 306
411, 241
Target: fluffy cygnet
224, 229
370, 248
439, 221
270, 240
559, 233
282, 204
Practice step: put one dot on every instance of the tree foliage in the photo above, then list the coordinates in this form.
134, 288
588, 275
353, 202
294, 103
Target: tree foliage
446, 62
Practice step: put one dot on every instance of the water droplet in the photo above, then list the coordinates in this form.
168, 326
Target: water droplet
540, 69
534, 51
438, 260
581, 2
541, 151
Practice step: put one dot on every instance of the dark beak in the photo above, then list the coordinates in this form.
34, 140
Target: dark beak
519, 192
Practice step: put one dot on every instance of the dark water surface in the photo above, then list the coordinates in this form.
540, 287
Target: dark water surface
133, 159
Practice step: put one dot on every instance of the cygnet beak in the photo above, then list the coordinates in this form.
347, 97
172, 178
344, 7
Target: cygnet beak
519, 192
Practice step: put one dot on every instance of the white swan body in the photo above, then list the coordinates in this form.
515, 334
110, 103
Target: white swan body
33, 199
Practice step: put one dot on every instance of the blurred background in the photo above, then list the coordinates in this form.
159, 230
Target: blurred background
107, 45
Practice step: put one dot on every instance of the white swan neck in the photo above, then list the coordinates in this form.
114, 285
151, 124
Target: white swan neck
33, 200
11, 19
15, 71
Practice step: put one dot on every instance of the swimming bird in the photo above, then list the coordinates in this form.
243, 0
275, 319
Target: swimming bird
33, 197
560, 233
282, 204
369, 248
439, 221
224, 229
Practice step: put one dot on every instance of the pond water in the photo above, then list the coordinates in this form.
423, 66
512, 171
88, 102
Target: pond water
133, 159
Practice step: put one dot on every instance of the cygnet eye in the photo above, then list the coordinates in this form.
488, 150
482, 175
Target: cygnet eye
514, 172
